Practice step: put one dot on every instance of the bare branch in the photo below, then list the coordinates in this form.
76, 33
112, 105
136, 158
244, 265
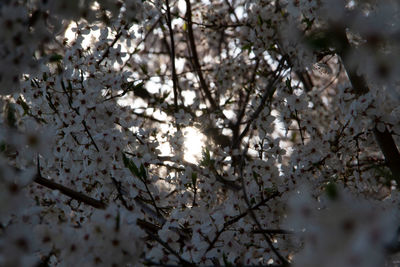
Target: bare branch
69, 192
196, 63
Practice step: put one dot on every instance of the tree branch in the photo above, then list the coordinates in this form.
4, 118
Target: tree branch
174, 76
195, 57
69, 192
384, 139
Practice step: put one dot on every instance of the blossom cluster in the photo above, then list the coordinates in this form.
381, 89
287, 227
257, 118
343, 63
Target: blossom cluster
297, 103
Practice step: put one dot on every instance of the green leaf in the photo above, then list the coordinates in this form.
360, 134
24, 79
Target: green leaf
63, 85
55, 58
293, 137
11, 119
255, 176
288, 83
24, 105
308, 23
144, 69
269, 23
131, 166
3, 146
247, 47
273, 48
164, 96
117, 222
70, 88
331, 190
226, 262
259, 20
194, 179
125, 160
138, 86
206, 160
143, 173
269, 191
323, 41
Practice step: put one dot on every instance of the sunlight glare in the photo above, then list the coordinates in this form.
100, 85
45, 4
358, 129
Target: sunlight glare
194, 142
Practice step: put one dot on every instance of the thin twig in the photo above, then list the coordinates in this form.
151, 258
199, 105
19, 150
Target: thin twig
267, 94
253, 215
240, 216
272, 231
297, 119
107, 52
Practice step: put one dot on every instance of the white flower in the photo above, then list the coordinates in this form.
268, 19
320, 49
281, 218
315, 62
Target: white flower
182, 117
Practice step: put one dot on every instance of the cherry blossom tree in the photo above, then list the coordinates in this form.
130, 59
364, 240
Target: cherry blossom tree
294, 104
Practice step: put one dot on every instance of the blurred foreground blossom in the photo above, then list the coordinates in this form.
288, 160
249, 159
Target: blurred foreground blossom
341, 229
